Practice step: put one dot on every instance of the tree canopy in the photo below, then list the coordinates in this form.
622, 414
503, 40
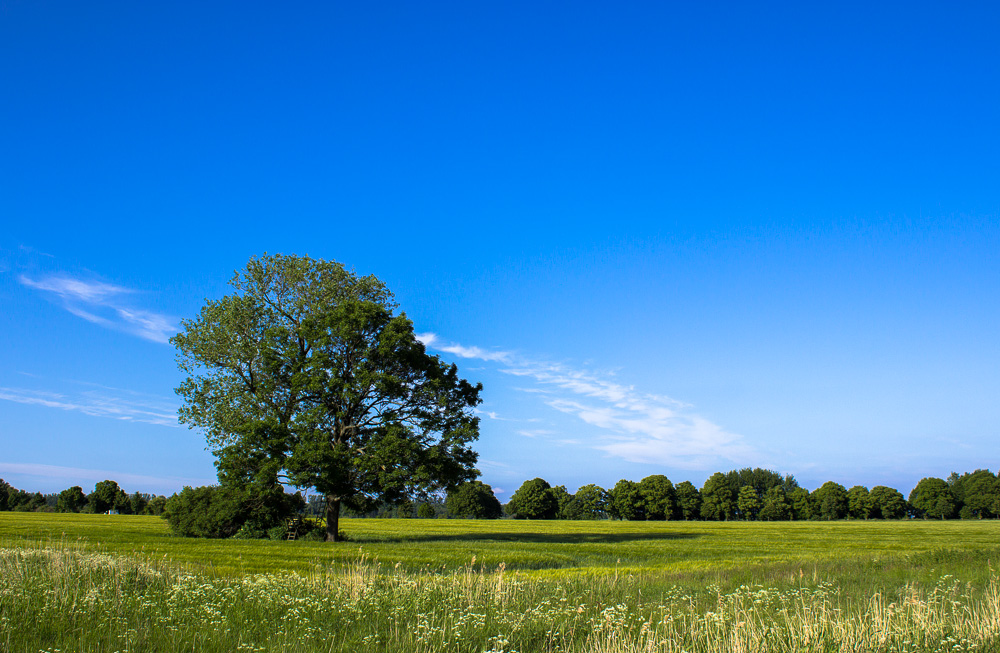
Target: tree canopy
534, 500
306, 375
473, 500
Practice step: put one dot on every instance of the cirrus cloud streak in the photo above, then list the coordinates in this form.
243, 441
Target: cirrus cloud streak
628, 423
104, 304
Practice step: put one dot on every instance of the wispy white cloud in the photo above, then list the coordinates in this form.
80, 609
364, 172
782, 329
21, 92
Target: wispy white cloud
104, 304
27, 249
633, 425
100, 402
492, 414
135, 482
76, 289
496, 468
433, 341
534, 433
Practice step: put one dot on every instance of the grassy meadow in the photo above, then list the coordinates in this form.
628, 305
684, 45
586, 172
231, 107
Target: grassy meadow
123, 583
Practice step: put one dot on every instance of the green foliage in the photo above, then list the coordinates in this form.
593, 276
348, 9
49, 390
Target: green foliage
268, 507
626, 502
426, 511
982, 493
533, 500
775, 506
215, 511
830, 501
589, 502
800, 503
207, 511
688, 500
107, 496
887, 503
659, 500
563, 499
472, 500
718, 498
305, 372
137, 503
155, 506
71, 500
761, 480
859, 505
748, 504
21, 501
932, 498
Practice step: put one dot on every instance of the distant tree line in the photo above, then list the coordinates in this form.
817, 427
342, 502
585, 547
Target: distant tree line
738, 495
264, 511
759, 495
106, 496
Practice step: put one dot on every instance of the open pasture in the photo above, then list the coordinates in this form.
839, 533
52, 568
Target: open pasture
121, 583
539, 547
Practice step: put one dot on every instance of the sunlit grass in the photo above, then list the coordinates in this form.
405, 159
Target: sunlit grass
124, 583
69, 598
550, 547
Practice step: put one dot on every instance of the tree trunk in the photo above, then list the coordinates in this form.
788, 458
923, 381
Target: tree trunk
332, 519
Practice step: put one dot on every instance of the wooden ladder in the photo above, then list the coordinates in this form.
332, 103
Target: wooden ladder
293, 528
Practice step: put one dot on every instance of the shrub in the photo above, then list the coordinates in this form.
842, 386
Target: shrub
207, 511
219, 511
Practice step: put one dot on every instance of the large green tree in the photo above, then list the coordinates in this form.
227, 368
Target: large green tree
887, 502
107, 496
775, 505
932, 498
626, 502
718, 498
982, 493
830, 500
800, 503
659, 497
473, 500
534, 500
589, 502
71, 500
688, 500
306, 375
859, 505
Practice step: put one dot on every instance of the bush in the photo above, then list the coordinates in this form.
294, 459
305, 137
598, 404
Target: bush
207, 511
218, 511
277, 533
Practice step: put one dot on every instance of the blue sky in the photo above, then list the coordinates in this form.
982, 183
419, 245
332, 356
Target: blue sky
667, 239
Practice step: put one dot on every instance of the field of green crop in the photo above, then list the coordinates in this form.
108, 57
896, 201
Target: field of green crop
117, 583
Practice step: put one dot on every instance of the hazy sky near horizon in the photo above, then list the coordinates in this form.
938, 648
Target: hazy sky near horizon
667, 239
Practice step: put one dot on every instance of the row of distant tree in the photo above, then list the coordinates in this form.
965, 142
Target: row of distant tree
106, 496
745, 494
759, 495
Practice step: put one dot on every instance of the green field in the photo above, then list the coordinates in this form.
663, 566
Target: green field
547, 547
116, 583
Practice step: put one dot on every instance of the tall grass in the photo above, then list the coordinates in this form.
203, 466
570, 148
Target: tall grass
73, 598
